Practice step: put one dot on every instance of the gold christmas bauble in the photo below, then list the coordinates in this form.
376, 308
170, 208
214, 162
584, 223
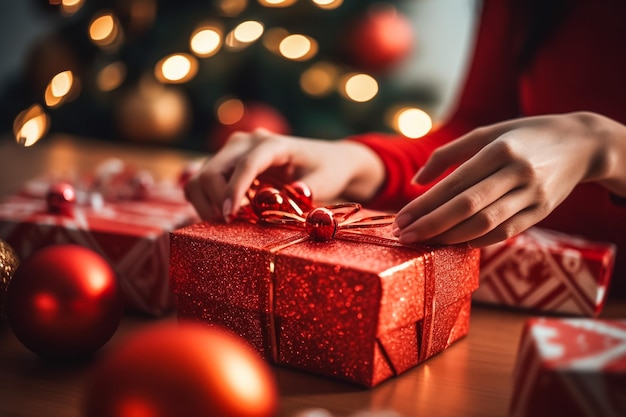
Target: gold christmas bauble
153, 113
9, 262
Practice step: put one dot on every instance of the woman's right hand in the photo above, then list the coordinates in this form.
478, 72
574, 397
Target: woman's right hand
331, 169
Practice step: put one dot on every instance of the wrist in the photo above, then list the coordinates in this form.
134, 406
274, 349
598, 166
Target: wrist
610, 159
368, 171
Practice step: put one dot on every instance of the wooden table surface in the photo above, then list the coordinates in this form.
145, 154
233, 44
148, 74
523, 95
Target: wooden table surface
471, 378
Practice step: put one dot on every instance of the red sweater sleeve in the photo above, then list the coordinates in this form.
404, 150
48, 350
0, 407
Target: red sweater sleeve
488, 95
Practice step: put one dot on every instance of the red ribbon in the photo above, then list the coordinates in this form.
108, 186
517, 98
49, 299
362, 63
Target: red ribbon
291, 205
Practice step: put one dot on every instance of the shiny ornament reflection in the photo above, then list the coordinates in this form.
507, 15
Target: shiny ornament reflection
9, 261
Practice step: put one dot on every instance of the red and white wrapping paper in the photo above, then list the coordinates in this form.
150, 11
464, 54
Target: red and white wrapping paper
574, 367
132, 235
548, 271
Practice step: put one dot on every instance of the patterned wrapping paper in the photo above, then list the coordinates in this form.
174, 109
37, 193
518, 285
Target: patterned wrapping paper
573, 367
131, 234
544, 270
359, 308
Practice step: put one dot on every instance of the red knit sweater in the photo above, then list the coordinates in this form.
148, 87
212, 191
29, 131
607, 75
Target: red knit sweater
582, 66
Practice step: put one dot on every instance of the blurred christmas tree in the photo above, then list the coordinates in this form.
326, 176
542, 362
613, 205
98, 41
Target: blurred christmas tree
189, 73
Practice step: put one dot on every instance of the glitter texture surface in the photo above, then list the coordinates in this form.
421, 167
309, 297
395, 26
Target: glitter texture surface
359, 308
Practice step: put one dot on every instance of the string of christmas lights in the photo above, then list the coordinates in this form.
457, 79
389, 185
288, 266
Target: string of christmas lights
225, 66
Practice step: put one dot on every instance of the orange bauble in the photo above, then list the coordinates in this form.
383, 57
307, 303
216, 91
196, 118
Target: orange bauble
255, 116
379, 40
175, 369
153, 113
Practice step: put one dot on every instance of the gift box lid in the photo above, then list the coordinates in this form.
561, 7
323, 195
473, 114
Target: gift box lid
400, 282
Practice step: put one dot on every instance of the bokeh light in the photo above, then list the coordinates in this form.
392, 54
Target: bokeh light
320, 79
232, 7
359, 87
206, 41
61, 83
176, 68
298, 47
111, 76
105, 30
244, 34
230, 110
59, 88
412, 122
328, 4
276, 3
248, 31
273, 37
69, 7
31, 125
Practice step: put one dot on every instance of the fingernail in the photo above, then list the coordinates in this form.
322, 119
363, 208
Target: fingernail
226, 209
408, 238
417, 174
396, 231
402, 221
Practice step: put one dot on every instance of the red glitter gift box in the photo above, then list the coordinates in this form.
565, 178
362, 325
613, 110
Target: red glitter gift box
359, 307
547, 271
130, 232
573, 367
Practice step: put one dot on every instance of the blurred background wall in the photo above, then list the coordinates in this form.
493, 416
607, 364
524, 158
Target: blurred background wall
443, 32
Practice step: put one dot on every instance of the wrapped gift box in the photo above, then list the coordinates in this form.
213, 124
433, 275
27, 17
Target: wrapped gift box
359, 308
573, 367
547, 271
132, 234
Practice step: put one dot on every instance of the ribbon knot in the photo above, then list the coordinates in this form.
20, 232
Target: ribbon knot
291, 205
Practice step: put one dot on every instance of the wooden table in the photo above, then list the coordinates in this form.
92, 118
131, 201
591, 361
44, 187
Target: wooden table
471, 378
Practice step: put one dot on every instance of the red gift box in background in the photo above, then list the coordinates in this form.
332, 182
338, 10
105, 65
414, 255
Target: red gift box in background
572, 367
544, 270
359, 308
130, 232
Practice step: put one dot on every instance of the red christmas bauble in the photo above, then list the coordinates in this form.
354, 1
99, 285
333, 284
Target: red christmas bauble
61, 198
255, 116
321, 224
379, 39
175, 369
64, 301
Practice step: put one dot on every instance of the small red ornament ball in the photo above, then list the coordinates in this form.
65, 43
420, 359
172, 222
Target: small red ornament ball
61, 198
173, 369
321, 224
380, 39
64, 301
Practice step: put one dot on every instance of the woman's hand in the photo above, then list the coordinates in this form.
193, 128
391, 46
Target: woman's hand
332, 169
510, 176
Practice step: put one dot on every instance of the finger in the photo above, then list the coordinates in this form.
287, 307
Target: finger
456, 183
512, 227
456, 152
265, 154
487, 220
203, 205
459, 208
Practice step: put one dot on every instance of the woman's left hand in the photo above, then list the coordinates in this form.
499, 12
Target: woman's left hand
510, 176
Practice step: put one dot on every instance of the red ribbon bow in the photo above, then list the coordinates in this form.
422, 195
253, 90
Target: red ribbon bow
292, 205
